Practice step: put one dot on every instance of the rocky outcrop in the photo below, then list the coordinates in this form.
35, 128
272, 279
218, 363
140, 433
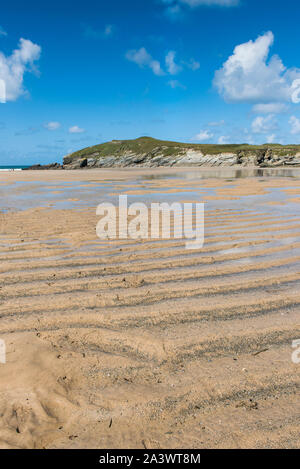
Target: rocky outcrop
264, 158
38, 167
270, 159
75, 164
129, 159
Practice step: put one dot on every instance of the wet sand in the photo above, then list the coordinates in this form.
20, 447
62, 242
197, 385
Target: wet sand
144, 344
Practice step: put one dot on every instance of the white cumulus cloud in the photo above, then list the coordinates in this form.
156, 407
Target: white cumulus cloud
250, 76
203, 136
76, 130
223, 140
271, 138
262, 124
52, 125
269, 108
13, 68
172, 67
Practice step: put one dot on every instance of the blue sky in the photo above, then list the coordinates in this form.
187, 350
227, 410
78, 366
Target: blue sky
73, 74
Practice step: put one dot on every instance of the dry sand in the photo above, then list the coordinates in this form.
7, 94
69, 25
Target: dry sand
143, 344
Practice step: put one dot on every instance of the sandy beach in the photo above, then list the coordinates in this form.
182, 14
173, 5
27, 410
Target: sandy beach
144, 344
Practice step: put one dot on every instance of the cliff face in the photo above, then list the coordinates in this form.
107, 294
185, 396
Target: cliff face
187, 158
148, 152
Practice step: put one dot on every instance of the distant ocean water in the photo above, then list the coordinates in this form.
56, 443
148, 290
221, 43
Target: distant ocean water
12, 168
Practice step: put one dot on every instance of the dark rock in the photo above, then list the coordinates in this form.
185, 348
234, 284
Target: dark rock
68, 160
77, 164
39, 167
83, 163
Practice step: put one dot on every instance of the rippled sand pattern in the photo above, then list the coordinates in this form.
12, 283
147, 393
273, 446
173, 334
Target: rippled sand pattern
144, 344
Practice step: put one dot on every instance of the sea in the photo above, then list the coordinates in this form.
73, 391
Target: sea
12, 168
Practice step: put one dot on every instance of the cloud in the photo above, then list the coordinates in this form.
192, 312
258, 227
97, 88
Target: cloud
271, 138
295, 125
13, 68
143, 59
222, 3
262, 125
216, 123
193, 65
269, 108
203, 136
248, 75
172, 67
52, 125
76, 130
174, 7
176, 84
223, 140
2, 32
